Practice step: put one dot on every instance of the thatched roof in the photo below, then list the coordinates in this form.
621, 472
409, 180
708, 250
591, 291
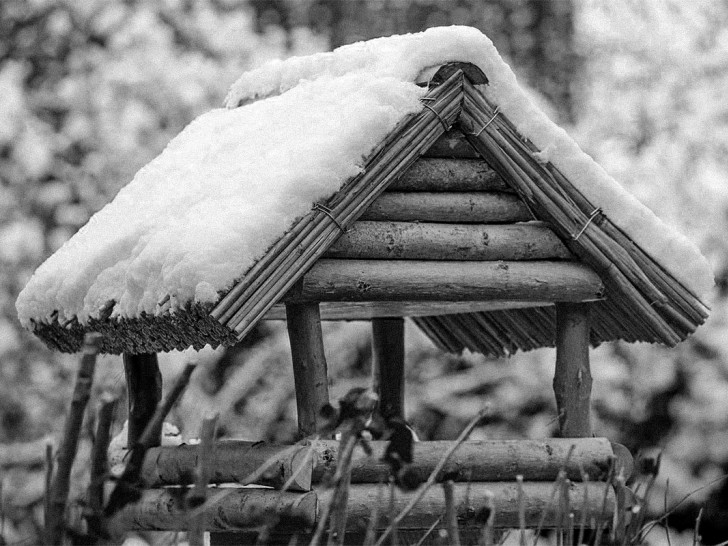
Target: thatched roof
642, 302
643, 298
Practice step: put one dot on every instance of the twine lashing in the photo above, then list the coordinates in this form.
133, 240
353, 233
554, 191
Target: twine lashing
594, 214
495, 113
327, 211
431, 109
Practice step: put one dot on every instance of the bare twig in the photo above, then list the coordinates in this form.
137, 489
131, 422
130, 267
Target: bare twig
55, 517
128, 487
100, 467
433, 475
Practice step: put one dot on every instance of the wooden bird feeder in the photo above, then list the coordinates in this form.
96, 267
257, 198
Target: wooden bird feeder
455, 224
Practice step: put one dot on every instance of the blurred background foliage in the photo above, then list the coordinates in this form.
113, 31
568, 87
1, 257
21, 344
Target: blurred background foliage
91, 90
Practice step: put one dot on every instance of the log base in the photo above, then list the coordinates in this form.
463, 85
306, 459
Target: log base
239, 508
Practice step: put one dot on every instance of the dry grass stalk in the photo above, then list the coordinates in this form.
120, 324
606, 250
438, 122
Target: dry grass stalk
451, 516
55, 524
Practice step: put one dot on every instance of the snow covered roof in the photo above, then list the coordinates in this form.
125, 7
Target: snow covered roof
196, 220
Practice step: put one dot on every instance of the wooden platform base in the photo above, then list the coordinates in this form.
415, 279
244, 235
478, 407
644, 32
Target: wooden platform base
232, 509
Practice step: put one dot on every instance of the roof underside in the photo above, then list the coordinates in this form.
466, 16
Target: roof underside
642, 301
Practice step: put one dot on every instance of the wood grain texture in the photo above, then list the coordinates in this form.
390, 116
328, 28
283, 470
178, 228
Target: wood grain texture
572, 376
235, 461
452, 145
472, 499
453, 175
451, 207
481, 460
435, 241
413, 280
309, 364
367, 310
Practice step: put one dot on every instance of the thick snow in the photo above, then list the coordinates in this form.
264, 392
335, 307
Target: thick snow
198, 216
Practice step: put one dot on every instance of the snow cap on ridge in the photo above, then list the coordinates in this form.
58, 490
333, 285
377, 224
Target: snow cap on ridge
229, 185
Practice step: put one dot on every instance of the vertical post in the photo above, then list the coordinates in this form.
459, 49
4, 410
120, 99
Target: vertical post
572, 378
388, 365
144, 389
309, 364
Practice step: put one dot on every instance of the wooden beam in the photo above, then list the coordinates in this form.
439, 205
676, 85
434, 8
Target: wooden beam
388, 365
309, 364
299, 512
450, 175
234, 461
413, 280
368, 310
453, 145
144, 391
572, 377
435, 241
452, 207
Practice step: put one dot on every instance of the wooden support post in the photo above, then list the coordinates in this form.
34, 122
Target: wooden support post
388, 365
309, 364
572, 378
144, 386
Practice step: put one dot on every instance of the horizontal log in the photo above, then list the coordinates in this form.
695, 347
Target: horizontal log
414, 280
433, 241
452, 144
233, 461
366, 310
453, 175
471, 500
482, 460
246, 508
227, 509
489, 460
452, 207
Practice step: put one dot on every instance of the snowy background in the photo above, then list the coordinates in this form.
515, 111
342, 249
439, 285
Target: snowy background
92, 90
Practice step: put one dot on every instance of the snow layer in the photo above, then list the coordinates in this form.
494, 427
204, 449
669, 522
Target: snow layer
198, 216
